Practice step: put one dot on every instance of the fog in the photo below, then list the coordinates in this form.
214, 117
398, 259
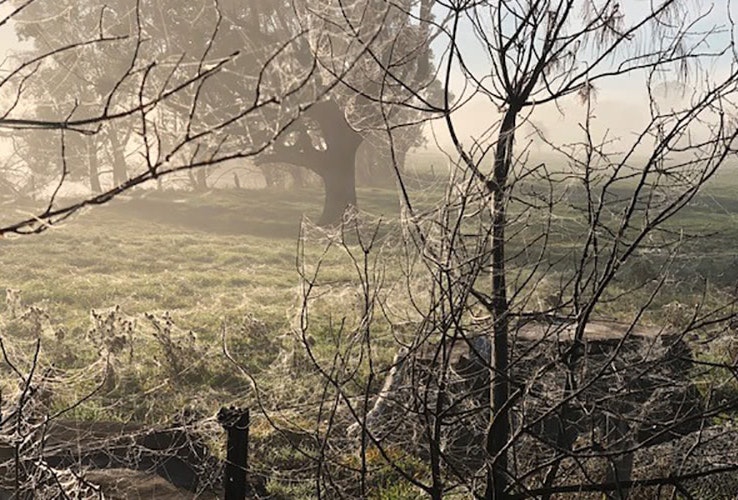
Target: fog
368, 249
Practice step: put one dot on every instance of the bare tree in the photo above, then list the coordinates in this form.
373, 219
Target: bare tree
541, 53
538, 286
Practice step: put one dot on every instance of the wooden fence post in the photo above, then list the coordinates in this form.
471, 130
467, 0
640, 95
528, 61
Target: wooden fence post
236, 423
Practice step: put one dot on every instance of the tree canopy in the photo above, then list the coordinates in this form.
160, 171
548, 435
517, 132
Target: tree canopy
317, 71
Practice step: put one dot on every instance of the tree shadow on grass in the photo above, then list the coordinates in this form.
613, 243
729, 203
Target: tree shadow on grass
251, 215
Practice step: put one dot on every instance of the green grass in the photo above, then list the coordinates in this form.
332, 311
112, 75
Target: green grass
213, 259
226, 263
224, 260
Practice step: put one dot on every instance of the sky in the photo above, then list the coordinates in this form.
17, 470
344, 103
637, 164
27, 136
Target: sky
8, 40
620, 106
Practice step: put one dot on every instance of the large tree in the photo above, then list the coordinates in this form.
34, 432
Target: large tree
319, 46
326, 137
152, 109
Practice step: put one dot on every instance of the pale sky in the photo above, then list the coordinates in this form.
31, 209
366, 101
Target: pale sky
620, 105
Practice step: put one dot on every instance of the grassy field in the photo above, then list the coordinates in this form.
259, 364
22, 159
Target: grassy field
222, 262
213, 259
172, 274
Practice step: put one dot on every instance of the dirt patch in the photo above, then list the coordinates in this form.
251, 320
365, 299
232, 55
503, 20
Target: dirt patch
122, 460
126, 484
593, 331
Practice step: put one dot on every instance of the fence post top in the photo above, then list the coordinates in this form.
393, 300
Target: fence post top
233, 417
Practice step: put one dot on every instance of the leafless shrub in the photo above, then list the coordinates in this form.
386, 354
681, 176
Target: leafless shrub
181, 351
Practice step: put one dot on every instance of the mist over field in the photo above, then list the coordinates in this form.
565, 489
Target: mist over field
381, 249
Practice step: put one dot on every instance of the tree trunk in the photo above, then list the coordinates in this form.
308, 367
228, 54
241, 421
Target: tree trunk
201, 179
498, 432
93, 170
120, 170
335, 164
340, 192
298, 178
198, 179
269, 175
